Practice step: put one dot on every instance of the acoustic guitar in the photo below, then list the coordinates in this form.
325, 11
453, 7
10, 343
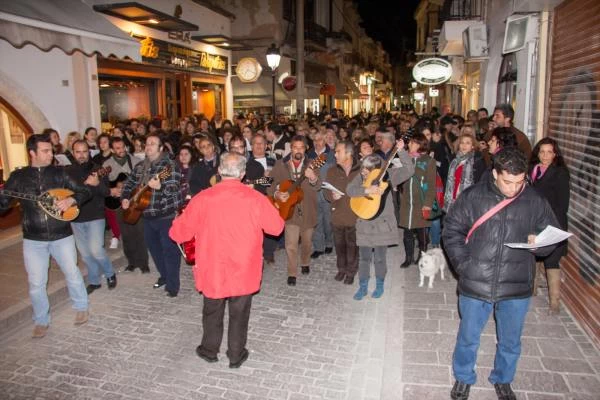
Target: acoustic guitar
47, 200
140, 199
286, 208
368, 206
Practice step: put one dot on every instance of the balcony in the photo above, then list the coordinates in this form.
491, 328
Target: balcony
457, 10
315, 33
341, 36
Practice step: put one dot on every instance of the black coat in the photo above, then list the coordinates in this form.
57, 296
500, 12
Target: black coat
554, 186
488, 270
37, 225
94, 208
200, 175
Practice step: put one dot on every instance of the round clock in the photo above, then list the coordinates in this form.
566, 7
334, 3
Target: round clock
248, 69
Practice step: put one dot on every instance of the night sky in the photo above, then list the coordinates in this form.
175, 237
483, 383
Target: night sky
389, 22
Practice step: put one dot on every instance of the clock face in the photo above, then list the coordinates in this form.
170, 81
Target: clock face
248, 69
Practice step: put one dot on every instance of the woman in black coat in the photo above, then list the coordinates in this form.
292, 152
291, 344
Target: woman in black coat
550, 176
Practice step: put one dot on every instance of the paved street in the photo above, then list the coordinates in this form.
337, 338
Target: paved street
308, 342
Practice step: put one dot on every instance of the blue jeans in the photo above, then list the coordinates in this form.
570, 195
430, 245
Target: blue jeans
163, 250
323, 233
435, 232
510, 318
89, 238
36, 255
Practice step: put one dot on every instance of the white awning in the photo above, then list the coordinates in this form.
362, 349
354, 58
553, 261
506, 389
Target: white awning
69, 25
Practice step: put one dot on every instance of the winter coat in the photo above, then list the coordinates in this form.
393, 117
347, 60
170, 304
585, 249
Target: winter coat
381, 230
37, 225
305, 213
554, 186
341, 213
227, 221
487, 269
94, 208
411, 200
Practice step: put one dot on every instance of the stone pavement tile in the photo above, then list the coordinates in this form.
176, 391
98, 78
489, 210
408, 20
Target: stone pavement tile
587, 384
418, 373
419, 357
545, 331
544, 396
560, 348
421, 325
567, 365
540, 382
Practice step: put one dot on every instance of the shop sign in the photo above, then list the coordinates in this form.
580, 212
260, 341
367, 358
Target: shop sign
156, 51
434, 92
185, 37
289, 83
419, 96
432, 71
364, 89
328, 89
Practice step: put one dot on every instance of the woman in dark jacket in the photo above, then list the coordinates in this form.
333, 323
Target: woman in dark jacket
550, 176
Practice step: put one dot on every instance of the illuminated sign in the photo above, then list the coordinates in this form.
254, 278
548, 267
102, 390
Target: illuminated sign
432, 71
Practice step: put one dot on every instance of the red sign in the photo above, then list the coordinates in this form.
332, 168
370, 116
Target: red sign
289, 83
328, 89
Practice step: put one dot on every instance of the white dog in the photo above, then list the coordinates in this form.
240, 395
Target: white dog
430, 263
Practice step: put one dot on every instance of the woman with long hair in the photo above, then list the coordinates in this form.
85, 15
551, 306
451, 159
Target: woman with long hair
186, 158
550, 176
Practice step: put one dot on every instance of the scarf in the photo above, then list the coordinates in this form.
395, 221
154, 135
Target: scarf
467, 161
538, 171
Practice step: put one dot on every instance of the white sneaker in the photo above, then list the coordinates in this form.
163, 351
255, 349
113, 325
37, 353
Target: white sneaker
114, 243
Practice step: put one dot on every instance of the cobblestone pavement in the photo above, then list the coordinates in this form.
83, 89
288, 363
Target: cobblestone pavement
308, 342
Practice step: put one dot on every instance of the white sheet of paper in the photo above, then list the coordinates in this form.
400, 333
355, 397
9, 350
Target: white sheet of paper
93, 152
329, 186
549, 236
62, 159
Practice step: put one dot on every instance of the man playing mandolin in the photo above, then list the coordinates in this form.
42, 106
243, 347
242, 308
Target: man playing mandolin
163, 202
44, 235
303, 219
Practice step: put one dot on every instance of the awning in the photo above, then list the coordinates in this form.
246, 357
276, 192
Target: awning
69, 25
352, 88
260, 92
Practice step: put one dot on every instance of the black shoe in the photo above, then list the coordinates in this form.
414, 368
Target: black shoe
130, 268
291, 281
209, 359
316, 254
405, 264
340, 276
90, 288
504, 391
328, 250
349, 280
305, 270
460, 391
160, 283
238, 364
145, 270
112, 282
171, 293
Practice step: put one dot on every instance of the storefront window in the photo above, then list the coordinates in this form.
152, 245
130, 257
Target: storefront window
207, 99
507, 80
13, 135
125, 98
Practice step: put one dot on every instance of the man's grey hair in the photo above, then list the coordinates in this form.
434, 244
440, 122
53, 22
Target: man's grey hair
371, 162
389, 136
348, 146
233, 165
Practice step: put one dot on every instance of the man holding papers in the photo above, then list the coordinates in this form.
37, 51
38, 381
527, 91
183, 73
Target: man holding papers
493, 277
343, 219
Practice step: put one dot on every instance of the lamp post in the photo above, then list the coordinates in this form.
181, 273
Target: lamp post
273, 58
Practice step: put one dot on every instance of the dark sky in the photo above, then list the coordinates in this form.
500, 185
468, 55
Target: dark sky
389, 21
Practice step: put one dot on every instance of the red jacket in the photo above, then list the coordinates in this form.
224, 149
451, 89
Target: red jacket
228, 221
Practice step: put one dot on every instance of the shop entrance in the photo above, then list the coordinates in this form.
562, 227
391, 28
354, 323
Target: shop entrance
207, 98
175, 84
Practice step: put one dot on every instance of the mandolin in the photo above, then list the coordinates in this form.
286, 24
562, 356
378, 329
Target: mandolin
47, 200
368, 206
140, 199
286, 208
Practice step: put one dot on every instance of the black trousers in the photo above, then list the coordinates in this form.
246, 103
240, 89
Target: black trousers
134, 244
213, 312
409, 242
344, 238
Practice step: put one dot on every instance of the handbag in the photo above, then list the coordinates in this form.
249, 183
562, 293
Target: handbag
436, 210
491, 212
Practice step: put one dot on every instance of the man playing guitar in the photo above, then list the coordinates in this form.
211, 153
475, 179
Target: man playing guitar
301, 225
44, 236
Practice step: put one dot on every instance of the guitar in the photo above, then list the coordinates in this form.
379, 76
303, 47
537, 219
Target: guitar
140, 199
286, 208
47, 200
114, 203
187, 249
368, 206
262, 181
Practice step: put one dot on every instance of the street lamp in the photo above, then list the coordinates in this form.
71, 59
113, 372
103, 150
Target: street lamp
273, 58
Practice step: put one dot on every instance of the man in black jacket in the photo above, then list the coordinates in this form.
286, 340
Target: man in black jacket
88, 227
493, 277
44, 236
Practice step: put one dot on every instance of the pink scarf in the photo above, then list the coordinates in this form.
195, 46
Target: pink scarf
538, 171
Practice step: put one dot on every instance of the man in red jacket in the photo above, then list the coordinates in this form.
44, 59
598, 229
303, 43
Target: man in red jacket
227, 213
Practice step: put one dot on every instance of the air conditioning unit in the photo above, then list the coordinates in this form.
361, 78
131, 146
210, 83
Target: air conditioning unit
475, 43
520, 30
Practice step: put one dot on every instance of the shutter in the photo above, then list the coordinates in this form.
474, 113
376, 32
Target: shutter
574, 121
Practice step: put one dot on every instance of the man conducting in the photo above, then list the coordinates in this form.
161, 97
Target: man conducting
491, 276
228, 221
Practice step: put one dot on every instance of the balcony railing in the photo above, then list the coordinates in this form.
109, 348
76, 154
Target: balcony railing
341, 35
462, 10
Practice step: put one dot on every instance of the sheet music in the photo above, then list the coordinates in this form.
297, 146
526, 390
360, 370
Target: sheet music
549, 236
329, 186
62, 160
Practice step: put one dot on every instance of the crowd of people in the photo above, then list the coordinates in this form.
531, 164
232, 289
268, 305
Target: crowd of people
435, 175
